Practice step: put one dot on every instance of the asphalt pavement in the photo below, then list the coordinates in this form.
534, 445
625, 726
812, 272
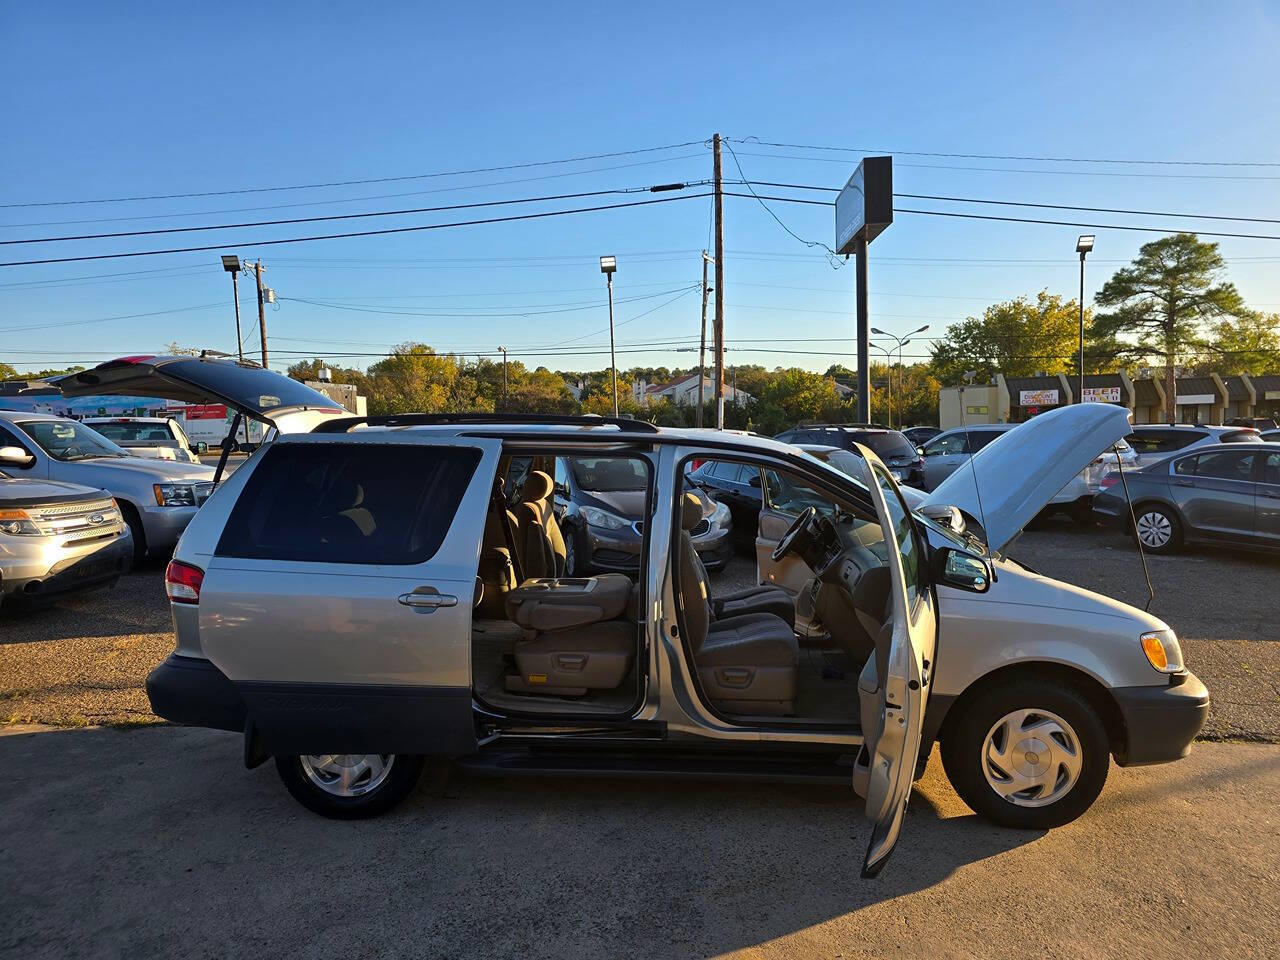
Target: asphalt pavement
156, 842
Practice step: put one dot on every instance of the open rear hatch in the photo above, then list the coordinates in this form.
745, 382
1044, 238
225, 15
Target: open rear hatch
248, 389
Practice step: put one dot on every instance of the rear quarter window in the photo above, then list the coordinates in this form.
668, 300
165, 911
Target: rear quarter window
349, 503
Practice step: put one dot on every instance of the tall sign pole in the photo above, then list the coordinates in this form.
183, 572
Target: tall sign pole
719, 290
863, 209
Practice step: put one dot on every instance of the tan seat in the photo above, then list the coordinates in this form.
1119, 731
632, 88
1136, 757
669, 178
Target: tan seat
574, 639
746, 664
762, 599
497, 564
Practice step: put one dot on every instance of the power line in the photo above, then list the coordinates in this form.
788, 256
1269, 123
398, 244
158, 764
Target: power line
360, 233
348, 183
1051, 173
1056, 223
357, 216
514, 312
993, 156
1027, 203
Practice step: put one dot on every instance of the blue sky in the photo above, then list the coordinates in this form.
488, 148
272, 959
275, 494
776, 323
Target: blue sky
147, 99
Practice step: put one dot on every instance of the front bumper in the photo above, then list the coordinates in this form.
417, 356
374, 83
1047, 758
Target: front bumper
164, 525
45, 567
1161, 721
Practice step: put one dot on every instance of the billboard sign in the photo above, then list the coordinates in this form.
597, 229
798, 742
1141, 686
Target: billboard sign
1038, 398
1101, 395
1197, 398
865, 205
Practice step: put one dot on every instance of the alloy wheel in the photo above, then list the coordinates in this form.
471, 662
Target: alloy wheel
1032, 758
347, 774
1154, 529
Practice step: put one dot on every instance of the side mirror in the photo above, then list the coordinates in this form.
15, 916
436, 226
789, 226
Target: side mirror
200, 448
16, 457
945, 515
754, 481
560, 490
964, 571
920, 451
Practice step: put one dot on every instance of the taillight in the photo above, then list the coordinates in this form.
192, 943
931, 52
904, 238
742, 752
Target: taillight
1110, 480
182, 582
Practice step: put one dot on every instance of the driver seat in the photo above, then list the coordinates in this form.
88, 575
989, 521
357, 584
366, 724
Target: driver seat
746, 664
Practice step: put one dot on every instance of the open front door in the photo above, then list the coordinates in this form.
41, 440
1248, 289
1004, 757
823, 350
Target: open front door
894, 686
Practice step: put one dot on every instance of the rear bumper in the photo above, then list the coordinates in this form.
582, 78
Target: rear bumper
195, 693
1160, 722
1110, 510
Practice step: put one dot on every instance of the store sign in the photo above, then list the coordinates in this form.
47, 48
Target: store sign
1038, 398
1271, 395
1197, 398
1101, 395
978, 411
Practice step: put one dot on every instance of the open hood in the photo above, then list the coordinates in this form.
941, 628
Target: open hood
1020, 471
244, 387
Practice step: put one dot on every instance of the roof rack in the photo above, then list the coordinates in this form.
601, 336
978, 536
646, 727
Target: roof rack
854, 426
624, 424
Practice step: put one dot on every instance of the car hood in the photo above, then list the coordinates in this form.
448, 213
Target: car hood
628, 504
17, 492
161, 470
1006, 483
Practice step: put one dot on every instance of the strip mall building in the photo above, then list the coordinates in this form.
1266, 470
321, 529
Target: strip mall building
1209, 399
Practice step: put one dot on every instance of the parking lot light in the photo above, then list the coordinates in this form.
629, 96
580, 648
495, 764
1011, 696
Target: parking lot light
231, 264
607, 266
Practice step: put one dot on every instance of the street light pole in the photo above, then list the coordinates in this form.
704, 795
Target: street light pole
902, 341
888, 367
231, 264
608, 266
503, 351
1083, 246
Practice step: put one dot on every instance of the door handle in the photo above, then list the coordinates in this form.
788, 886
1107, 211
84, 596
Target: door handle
1272, 494
1183, 483
427, 602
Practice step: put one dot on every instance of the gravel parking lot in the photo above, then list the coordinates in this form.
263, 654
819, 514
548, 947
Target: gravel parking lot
83, 662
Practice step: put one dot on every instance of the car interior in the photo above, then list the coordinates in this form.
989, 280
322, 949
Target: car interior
795, 645
543, 642
799, 646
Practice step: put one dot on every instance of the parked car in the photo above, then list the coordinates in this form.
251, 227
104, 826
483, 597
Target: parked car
1030, 685
946, 453
921, 435
1153, 442
1271, 436
158, 437
1216, 494
916, 500
56, 538
158, 498
904, 458
600, 505
1258, 423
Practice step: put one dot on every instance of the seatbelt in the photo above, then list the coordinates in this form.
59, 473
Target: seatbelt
498, 502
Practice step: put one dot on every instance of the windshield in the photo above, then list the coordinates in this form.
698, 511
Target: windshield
842, 460
609, 474
135, 432
886, 445
68, 440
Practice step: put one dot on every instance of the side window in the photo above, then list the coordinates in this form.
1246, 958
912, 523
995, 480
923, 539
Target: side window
349, 503
787, 436
904, 535
1145, 441
1186, 467
1271, 468
786, 493
726, 471
10, 439
562, 474
1178, 439
1239, 436
980, 438
945, 445
1225, 466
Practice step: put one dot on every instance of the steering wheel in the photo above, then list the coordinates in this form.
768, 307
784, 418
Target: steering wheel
789, 539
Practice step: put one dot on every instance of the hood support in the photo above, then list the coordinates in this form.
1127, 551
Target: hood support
228, 442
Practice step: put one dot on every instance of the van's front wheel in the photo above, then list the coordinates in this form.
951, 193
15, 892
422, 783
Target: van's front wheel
350, 786
1029, 754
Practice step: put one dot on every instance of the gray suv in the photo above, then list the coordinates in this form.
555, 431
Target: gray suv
365, 586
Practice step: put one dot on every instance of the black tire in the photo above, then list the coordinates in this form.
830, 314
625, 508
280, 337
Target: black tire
964, 744
134, 521
1082, 513
399, 783
1145, 513
570, 552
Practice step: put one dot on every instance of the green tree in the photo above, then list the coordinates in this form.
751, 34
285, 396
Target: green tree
416, 379
7, 372
802, 395
1162, 301
541, 391
174, 349
1249, 343
1017, 338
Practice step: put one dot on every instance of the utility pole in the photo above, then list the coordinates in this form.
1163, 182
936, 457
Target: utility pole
262, 314
503, 350
702, 347
719, 289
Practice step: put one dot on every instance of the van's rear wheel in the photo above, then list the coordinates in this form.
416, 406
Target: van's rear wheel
350, 786
1029, 754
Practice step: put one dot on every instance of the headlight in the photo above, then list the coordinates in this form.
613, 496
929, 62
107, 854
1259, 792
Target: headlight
175, 494
720, 515
16, 523
603, 518
1162, 650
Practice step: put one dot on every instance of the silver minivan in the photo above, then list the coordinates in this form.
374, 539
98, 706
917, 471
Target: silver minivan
369, 586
